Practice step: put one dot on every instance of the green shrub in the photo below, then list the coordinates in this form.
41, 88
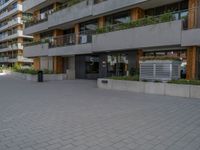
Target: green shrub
131, 78
16, 67
166, 17
184, 81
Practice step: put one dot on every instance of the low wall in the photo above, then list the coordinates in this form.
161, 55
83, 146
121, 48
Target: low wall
47, 77
188, 91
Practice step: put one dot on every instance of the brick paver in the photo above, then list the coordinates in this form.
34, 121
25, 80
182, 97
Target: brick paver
75, 115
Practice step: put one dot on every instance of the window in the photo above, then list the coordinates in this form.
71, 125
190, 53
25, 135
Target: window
123, 17
92, 64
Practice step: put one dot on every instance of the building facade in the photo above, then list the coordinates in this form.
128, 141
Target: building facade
11, 33
89, 39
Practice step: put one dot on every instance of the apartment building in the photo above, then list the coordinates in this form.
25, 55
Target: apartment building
11, 33
99, 38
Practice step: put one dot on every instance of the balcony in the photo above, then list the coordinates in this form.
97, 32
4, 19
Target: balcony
70, 45
12, 47
11, 12
6, 4
37, 49
20, 59
18, 33
11, 23
87, 9
4, 59
157, 35
191, 37
113, 5
36, 26
29, 4
70, 14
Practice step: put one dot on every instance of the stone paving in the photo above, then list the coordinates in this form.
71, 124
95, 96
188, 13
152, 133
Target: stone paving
75, 115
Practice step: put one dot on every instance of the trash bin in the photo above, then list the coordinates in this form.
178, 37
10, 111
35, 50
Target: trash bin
40, 76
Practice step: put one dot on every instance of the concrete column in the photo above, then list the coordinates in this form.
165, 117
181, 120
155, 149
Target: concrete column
191, 63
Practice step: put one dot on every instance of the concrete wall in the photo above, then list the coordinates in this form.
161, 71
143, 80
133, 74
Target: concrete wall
47, 77
36, 50
187, 91
191, 37
164, 34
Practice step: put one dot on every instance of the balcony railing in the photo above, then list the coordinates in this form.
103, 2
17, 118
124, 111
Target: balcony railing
148, 20
35, 22
65, 40
67, 4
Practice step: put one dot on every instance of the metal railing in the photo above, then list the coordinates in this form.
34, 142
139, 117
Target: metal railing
70, 39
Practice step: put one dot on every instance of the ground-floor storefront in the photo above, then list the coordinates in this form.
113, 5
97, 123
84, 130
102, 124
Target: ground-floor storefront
116, 63
107, 64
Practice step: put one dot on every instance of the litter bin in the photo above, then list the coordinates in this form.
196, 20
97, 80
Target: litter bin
40, 76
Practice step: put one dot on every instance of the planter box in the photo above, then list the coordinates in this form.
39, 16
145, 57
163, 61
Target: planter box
47, 77
187, 91
177, 90
159, 70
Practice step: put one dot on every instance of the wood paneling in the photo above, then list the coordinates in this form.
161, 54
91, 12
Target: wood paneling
36, 63
58, 64
101, 22
191, 63
193, 13
77, 31
137, 13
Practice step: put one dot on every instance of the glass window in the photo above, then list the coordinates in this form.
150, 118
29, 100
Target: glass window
117, 64
92, 64
123, 17
89, 27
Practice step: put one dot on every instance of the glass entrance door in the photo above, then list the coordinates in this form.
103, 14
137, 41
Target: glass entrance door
117, 65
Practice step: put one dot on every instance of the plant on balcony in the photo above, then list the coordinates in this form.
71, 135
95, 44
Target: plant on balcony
69, 3
166, 17
148, 20
36, 42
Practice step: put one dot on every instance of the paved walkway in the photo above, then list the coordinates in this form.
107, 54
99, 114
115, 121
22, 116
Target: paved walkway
75, 115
